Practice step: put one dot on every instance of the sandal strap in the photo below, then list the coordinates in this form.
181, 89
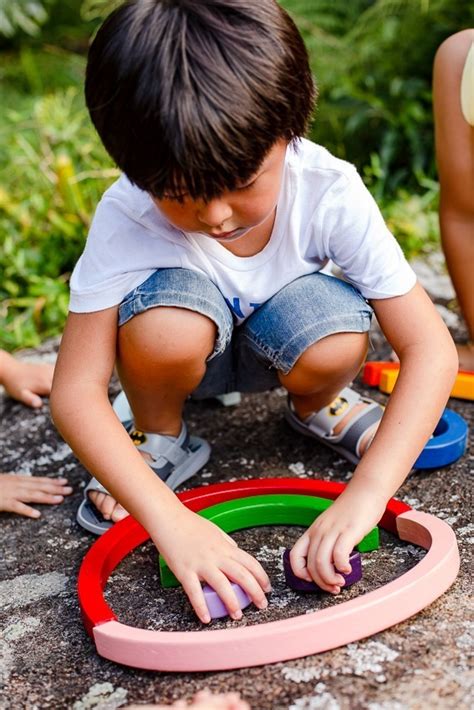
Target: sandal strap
353, 434
326, 419
166, 452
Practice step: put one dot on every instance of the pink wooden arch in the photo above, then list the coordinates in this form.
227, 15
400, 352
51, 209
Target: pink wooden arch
273, 641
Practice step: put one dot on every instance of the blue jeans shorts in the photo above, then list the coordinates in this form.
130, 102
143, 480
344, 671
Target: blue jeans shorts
247, 357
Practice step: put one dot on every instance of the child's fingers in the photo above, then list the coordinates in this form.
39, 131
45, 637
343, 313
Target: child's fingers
38, 496
321, 567
46, 485
341, 553
298, 560
22, 509
203, 694
30, 399
235, 702
193, 589
255, 568
230, 539
221, 585
204, 700
44, 383
241, 576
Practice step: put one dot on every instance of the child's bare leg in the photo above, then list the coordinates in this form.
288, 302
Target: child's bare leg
162, 357
455, 158
322, 371
16, 491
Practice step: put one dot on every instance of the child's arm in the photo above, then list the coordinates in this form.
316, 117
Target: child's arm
194, 548
25, 381
428, 367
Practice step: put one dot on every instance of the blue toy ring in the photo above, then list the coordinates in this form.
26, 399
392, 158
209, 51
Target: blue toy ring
447, 444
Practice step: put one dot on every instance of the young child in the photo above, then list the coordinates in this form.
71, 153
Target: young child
25, 382
453, 107
201, 275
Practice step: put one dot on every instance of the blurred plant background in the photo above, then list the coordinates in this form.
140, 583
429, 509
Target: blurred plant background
372, 60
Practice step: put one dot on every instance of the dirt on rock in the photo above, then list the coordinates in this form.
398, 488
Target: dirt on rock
48, 661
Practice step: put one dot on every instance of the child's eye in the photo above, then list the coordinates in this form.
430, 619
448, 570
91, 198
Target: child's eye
247, 186
175, 197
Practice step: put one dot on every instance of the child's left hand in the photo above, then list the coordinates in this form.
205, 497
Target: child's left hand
17, 491
326, 545
27, 381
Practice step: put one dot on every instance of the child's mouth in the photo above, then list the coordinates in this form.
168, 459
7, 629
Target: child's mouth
230, 236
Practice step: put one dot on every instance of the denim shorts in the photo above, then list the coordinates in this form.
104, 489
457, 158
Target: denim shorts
247, 357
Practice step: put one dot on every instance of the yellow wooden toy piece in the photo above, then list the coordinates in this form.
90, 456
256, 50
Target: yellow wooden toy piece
463, 387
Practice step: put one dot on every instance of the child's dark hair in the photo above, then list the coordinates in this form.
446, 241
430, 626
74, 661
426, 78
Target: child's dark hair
190, 95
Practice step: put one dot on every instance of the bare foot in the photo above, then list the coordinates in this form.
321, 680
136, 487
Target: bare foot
203, 700
466, 356
107, 505
16, 491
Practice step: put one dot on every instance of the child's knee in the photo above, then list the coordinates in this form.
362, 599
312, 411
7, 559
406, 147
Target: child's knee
167, 335
337, 354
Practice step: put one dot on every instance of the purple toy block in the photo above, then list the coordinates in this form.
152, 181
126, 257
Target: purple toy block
217, 608
301, 585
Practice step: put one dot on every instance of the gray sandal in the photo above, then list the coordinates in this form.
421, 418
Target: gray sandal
321, 424
173, 459
88, 516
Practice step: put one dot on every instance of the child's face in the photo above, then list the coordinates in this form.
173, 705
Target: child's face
233, 214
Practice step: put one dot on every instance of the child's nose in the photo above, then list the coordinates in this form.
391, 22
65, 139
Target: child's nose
215, 213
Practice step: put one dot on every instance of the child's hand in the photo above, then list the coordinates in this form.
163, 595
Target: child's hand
25, 381
197, 550
326, 545
203, 700
16, 491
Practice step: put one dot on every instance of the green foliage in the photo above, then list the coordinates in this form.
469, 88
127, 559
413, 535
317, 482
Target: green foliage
373, 62
413, 218
22, 15
98, 9
54, 171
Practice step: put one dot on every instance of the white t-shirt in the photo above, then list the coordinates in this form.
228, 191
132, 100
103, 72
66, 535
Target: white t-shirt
324, 212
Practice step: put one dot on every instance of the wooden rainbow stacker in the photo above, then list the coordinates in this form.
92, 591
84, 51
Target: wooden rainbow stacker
383, 374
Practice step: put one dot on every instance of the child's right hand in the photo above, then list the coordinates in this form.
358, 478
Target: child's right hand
197, 551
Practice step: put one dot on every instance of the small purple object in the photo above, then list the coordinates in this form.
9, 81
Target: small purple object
217, 608
301, 585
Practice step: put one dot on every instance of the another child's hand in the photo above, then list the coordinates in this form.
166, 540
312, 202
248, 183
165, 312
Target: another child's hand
325, 547
26, 381
203, 700
16, 491
198, 551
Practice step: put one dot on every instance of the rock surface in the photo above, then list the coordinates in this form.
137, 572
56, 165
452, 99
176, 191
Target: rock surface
47, 661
